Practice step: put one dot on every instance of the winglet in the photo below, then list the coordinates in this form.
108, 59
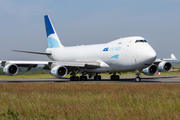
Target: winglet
52, 37
173, 57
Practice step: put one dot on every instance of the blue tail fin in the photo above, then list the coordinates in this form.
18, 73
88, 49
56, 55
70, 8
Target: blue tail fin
52, 38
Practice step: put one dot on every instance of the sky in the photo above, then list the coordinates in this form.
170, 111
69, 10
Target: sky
87, 22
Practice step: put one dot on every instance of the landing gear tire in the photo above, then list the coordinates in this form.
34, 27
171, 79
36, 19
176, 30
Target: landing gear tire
114, 77
83, 78
138, 79
74, 78
97, 77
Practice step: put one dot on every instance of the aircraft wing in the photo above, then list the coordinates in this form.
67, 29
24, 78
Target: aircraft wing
83, 64
173, 58
50, 64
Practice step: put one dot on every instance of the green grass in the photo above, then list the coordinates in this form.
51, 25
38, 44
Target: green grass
176, 66
89, 101
170, 73
26, 76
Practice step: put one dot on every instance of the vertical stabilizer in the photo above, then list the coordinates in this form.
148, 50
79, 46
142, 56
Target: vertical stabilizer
52, 38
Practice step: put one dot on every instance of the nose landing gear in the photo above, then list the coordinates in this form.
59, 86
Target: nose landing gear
138, 78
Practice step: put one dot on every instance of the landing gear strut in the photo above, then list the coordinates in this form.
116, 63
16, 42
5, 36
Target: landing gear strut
83, 78
138, 78
114, 76
74, 77
97, 77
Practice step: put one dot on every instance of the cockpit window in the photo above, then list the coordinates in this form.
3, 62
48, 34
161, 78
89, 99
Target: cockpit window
137, 41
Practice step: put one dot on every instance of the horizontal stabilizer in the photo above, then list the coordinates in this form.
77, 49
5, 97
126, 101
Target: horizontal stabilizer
32, 52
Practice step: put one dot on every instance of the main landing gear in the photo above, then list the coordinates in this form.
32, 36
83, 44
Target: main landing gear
76, 78
138, 78
73, 74
97, 77
83, 77
114, 76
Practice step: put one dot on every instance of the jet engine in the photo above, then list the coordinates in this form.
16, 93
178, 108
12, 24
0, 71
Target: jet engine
151, 70
164, 66
59, 71
10, 69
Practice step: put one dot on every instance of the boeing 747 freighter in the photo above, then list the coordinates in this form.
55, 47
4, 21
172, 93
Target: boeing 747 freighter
121, 55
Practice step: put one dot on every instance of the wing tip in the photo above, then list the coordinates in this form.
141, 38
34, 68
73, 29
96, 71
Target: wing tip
173, 56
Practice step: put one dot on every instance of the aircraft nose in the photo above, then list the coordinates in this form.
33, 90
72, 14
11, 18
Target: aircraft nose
146, 54
152, 55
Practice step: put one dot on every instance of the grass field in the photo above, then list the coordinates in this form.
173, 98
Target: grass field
89, 101
30, 76
176, 66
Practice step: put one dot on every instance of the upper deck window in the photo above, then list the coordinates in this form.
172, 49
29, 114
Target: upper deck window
142, 41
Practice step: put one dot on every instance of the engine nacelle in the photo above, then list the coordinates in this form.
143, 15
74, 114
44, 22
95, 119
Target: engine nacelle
164, 66
151, 70
10, 69
59, 71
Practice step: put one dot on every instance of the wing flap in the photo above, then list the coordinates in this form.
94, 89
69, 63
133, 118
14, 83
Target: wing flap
90, 65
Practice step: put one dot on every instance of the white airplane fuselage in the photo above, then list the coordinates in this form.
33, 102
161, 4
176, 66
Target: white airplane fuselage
121, 55
125, 54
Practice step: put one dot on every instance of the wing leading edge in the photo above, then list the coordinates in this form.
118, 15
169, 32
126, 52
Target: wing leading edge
50, 64
173, 58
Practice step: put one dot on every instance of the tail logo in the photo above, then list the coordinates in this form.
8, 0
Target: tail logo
49, 27
52, 38
52, 43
